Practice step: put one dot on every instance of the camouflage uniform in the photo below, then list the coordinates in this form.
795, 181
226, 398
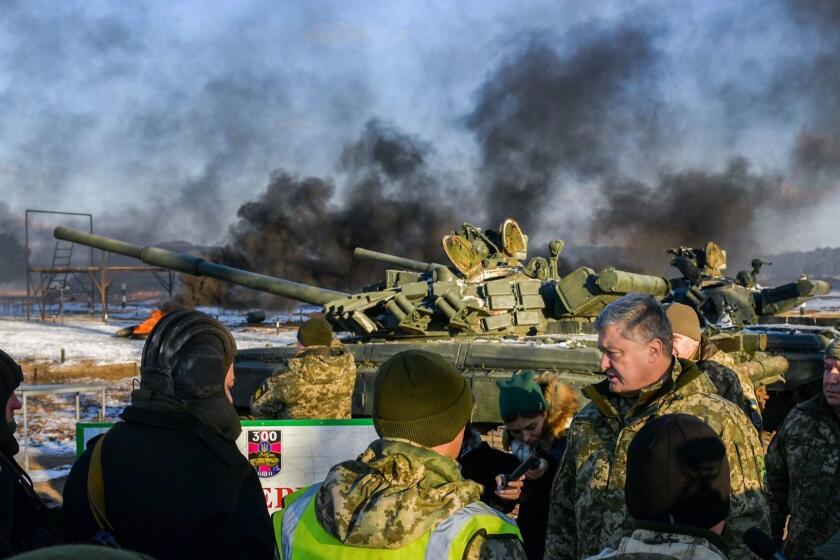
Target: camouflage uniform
588, 512
803, 477
731, 384
394, 493
318, 384
652, 541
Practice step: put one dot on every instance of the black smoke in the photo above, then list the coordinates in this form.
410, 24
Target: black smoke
12, 249
689, 208
548, 116
391, 200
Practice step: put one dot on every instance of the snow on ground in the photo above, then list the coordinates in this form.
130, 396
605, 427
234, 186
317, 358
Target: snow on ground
92, 340
85, 340
52, 417
828, 302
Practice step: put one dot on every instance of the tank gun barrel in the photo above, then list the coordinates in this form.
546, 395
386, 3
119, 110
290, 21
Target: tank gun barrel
615, 281
402, 262
764, 366
197, 266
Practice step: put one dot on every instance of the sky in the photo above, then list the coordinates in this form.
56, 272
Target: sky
627, 123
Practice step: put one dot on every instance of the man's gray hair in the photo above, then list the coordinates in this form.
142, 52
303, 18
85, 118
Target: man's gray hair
641, 317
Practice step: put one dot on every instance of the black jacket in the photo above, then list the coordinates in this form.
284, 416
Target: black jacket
23, 516
482, 464
174, 488
534, 503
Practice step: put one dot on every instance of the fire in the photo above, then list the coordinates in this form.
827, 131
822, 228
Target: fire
144, 328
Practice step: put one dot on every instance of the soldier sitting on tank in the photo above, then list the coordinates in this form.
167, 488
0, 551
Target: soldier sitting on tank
536, 418
318, 384
404, 496
690, 344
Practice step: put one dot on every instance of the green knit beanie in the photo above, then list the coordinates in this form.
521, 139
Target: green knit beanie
315, 332
421, 397
520, 394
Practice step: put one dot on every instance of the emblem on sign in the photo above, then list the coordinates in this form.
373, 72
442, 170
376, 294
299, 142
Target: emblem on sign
264, 451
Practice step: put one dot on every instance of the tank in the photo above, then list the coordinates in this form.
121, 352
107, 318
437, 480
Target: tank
734, 302
490, 310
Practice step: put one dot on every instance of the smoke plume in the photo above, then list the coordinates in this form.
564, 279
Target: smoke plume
300, 229
689, 208
545, 118
12, 250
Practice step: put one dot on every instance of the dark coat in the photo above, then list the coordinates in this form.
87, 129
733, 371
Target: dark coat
483, 464
23, 516
174, 488
536, 498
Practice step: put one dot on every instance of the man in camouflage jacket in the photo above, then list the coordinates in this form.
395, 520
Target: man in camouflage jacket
730, 382
318, 384
803, 467
406, 485
644, 381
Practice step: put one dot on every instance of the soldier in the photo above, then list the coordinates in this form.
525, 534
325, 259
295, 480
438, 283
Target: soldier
677, 491
318, 384
689, 344
404, 496
803, 467
644, 380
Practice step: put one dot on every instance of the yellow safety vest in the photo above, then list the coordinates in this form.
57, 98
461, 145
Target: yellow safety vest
299, 536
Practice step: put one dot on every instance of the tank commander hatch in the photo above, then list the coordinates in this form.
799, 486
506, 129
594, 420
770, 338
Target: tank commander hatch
318, 384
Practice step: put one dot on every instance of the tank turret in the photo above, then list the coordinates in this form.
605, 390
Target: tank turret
734, 302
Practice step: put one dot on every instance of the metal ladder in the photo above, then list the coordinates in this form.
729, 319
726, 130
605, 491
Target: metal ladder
62, 255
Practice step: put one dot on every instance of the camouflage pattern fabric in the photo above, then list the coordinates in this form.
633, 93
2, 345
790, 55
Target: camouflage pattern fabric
588, 512
732, 385
394, 493
318, 384
803, 477
647, 544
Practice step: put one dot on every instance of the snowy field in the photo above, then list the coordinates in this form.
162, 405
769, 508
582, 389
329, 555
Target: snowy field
88, 343
93, 340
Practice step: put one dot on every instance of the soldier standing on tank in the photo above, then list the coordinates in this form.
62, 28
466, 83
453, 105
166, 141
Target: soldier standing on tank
318, 384
404, 496
689, 344
803, 467
644, 380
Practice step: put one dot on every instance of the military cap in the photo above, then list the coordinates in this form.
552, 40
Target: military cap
684, 320
315, 332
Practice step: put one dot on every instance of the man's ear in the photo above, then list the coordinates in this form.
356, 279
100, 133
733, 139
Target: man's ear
654, 349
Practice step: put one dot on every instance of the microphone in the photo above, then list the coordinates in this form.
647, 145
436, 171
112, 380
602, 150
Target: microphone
762, 545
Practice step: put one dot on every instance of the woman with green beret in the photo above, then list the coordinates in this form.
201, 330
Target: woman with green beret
536, 411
